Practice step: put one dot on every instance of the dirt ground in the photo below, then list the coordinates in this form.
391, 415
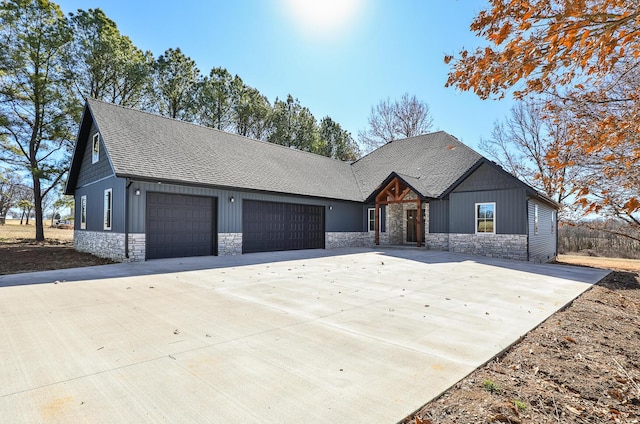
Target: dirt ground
582, 365
20, 253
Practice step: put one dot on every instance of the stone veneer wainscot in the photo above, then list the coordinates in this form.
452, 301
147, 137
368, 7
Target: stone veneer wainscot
100, 243
110, 245
229, 244
506, 246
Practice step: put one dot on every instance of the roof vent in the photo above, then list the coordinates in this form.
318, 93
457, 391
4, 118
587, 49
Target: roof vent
451, 147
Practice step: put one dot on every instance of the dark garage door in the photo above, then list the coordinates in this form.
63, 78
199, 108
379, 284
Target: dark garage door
270, 226
179, 225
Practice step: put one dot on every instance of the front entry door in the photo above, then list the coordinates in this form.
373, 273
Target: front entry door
412, 228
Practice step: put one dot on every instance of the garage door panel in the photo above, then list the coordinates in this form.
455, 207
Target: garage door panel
270, 226
179, 225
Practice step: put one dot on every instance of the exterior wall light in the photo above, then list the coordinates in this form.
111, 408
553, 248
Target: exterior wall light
231, 199
137, 192
330, 207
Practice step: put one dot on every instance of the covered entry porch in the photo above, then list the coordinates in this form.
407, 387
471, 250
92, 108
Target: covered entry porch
407, 211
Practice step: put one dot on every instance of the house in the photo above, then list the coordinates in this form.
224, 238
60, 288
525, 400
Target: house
150, 187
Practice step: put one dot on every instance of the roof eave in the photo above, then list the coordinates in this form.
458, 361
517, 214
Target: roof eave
147, 179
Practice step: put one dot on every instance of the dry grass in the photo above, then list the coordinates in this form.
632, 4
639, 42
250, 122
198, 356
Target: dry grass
13, 232
19, 252
615, 264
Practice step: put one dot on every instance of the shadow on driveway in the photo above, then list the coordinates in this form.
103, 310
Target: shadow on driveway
165, 266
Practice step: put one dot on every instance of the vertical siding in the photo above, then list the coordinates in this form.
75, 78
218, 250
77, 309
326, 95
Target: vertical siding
343, 216
439, 216
90, 172
95, 204
510, 210
486, 178
542, 246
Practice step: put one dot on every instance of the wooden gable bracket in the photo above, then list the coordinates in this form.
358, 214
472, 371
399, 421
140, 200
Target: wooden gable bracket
395, 192
404, 193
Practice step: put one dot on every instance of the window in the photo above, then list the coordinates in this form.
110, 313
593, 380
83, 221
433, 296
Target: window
108, 204
553, 222
372, 219
83, 213
485, 218
536, 220
95, 152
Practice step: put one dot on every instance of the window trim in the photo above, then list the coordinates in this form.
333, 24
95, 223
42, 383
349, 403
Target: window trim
108, 209
475, 224
369, 220
536, 220
83, 212
95, 148
381, 228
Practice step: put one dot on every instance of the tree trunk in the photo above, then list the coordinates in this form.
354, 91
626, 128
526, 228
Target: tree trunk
37, 201
22, 217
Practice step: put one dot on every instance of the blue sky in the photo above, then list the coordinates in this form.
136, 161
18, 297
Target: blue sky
339, 57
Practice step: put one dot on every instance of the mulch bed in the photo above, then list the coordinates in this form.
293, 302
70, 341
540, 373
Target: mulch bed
582, 365
28, 256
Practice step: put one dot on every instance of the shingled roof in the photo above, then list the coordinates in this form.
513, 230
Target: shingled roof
147, 146
430, 163
142, 145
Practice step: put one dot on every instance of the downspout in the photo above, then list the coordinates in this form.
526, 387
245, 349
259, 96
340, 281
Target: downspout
527, 230
126, 219
419, 225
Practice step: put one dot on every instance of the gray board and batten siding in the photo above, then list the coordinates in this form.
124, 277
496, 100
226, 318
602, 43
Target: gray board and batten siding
95, 204
510, 215
340, 216
439, 216
93, 180
485, 185
90, 172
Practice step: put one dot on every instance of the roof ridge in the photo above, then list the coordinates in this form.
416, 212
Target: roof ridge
405, 139
355, 177
204, 127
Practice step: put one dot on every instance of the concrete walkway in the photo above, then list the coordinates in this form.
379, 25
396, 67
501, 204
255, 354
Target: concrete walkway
347, 335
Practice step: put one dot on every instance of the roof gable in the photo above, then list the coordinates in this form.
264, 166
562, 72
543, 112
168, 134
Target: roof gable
406, 181
487, 177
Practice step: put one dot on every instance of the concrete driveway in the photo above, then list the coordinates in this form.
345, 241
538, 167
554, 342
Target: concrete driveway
347, 335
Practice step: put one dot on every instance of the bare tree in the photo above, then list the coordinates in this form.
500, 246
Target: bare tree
388, 121
524, 141
9, 193
413, 116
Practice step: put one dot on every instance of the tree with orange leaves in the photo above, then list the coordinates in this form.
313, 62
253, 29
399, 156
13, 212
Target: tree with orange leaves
583, 57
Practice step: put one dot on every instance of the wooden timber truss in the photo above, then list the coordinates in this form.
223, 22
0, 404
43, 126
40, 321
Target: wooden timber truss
396, 191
